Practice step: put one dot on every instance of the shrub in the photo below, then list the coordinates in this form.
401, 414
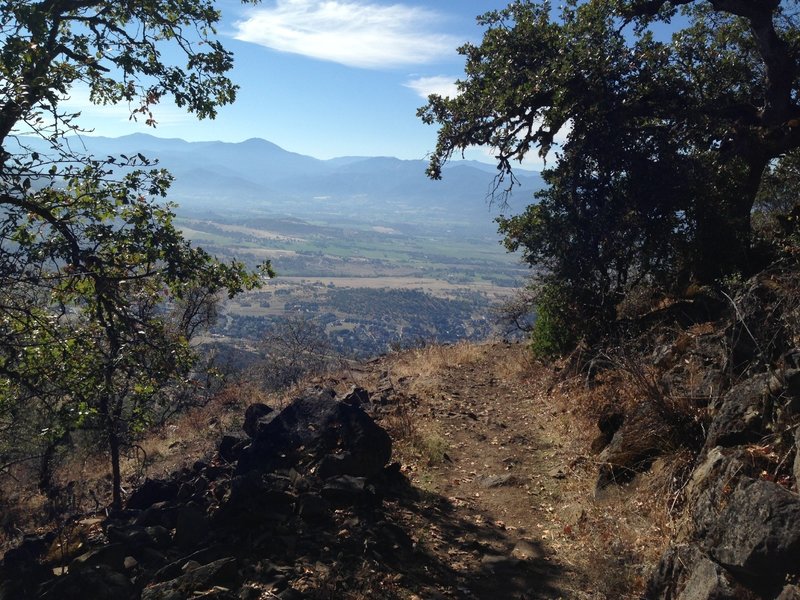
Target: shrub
555, 331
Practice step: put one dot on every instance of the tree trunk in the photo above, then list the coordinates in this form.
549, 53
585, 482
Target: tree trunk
116, 477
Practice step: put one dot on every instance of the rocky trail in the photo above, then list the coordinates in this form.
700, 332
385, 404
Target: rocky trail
486, 495
508, 486
471, 472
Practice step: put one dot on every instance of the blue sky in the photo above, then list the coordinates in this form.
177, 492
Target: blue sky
326, 77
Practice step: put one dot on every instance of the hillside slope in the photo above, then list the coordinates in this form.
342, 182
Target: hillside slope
665, 469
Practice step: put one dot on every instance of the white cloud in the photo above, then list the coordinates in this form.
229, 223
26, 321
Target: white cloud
425, 86
351, 32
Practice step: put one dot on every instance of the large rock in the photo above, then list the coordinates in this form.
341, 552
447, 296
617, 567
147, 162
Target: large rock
97, 583
757, 533
748, 527
311, 428
743, 413
254, 416
223, 572
685, 572
151, 492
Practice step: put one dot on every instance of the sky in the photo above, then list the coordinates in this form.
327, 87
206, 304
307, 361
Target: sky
326, 78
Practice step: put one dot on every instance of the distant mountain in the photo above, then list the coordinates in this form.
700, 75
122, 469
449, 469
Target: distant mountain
256, 173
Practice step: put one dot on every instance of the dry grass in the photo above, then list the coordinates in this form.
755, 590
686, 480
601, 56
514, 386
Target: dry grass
432, 360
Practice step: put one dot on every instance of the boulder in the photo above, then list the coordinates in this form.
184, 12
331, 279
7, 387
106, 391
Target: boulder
253, 500
151, 492
685, 572
97, 583
223, 573
254, 415
230, 447
312, 427
192, 526
757, 533
742, 414
347, 491
112, 555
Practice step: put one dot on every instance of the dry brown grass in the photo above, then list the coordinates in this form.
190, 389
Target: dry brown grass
432, 360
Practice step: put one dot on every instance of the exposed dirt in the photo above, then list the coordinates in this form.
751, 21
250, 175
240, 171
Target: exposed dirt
508, 507
502, 503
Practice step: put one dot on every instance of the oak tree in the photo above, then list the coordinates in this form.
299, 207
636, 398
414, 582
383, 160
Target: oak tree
664, 139
99, 291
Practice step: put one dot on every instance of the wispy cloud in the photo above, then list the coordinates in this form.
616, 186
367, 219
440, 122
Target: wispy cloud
351, 32
425, 86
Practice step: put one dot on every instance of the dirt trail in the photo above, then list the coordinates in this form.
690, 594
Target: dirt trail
506, 487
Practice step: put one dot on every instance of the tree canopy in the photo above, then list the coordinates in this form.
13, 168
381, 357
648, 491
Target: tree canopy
99, 291
660, 144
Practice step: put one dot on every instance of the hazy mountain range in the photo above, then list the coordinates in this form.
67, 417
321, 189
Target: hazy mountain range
259, 175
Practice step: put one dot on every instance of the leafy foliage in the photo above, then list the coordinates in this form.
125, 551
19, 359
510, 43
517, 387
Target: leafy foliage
100, 291
660, 145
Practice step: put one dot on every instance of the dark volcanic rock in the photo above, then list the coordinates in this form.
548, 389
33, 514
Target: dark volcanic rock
757, 533
152, 491
742, 413
312, 427
221, 572
686, 573
254, 416
98, 583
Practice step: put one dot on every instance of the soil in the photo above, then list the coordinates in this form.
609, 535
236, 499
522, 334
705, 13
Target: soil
507, 508
502, 498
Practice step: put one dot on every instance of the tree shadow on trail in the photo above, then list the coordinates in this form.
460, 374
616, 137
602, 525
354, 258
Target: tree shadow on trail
460, 552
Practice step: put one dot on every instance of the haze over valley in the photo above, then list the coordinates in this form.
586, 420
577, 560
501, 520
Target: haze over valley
367, 248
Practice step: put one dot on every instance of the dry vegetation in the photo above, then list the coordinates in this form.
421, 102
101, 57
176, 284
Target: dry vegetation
458, 414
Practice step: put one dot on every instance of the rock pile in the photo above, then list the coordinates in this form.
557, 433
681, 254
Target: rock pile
736, 385
305, 487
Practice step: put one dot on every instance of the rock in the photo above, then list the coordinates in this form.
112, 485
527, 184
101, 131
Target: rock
356, 396
609, 422
347, 491
254, 499
131, 537
230, 447
312, 507
112, 556
160, 536
757, 532
334, 465
31, 548
493, 481
742, 413
312, 427
685, 572
151, 492
749, 526
797, 460
223, 572
97, 583
191, 527
253, 416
